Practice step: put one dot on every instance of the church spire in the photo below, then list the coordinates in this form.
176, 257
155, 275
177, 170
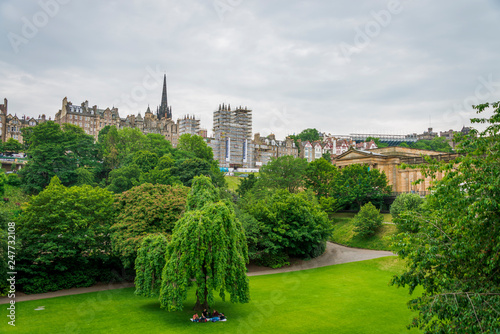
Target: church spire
164, 110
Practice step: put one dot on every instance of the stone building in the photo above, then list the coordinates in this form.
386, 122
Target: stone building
389, 160
188, 124
232, 131
267, 148
94, 119
11, 125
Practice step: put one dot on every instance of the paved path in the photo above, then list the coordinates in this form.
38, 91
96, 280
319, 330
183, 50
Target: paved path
334, 254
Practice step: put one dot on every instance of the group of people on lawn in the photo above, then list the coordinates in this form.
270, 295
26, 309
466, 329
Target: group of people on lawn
205, 316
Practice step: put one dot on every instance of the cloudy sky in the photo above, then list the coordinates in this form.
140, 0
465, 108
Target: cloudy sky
365, 66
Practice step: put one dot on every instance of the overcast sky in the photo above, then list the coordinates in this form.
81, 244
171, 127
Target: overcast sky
364, 66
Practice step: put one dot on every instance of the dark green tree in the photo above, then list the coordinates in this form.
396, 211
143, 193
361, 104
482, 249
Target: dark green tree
246, 184
143, 210
208, 249
284, 172
455, 254
360, 184
195, 144
146, 160
319, 176
124, 178
12, 146
405, 209
368, 221
3, 182
56, 151
63, 238
292, 226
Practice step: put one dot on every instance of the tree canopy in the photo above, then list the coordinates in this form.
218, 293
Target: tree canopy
208, 249
149, 265
142, 210
455, 254
63, 237
360, 184
56, 151
284, 172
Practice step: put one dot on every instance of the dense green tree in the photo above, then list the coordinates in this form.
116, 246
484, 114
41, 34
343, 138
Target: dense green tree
159, 176
377, 142
292, 225
404, 210
308, 135
319, 176
63, 238
439, 144
12, 180
187, 169
284, 172
246, 184
142, 210
195, 144
146, 160
56, 151
3, 182
149, 264
12, 146
455, 254
360, 184
368, 220
124, 178
208, 249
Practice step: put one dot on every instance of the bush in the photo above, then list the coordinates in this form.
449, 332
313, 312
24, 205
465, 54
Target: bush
13, 180
403, 210
368, 220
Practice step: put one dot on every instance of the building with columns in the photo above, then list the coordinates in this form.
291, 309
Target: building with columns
389, 160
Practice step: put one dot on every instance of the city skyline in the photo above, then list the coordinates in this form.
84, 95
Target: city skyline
369, 67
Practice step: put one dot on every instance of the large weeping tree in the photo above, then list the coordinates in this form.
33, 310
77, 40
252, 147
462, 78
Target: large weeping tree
208, 250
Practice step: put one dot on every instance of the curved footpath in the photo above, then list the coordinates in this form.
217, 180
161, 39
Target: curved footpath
334, 254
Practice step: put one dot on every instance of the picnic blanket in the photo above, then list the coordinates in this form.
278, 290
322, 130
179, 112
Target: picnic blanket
210, 320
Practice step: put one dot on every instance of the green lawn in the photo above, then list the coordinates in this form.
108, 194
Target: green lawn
343, 233
232, 182
345, 298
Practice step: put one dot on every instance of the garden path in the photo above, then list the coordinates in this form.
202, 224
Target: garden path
334, 254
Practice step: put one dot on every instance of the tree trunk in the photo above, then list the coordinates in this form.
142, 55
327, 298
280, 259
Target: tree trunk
199, 306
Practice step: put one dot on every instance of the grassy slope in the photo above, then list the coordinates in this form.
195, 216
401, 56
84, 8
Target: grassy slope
345, 298
232, 182
343, 233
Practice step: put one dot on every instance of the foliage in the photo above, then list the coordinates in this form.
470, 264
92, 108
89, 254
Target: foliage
246, 184
124, 178
145, 160
209, 249
291, 224
56, 151
320, 175
368, 220
455, 255
377, 142
360, 184
12, 146
195, 144
3, 182
142, 210
307, 135
63, 237
12, 180
149, 265
284, 172
439, 144
187, 169
404, 209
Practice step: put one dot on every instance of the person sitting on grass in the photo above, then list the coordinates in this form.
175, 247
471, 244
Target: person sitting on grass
222, 316
205, 314
196, 318
215, 314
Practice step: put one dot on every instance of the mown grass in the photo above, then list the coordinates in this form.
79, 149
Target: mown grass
346, 298
232, 182
343, 233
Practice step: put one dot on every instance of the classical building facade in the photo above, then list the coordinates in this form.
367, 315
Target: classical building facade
232, 142
389, 160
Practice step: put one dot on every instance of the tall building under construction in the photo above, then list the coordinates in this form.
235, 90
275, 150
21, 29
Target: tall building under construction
232, 133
